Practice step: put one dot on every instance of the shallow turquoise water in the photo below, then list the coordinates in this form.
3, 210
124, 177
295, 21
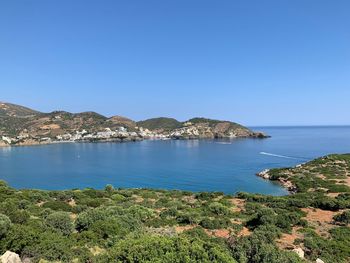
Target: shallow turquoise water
196, 165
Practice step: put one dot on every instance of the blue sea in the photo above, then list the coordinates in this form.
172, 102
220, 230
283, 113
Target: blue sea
197, 165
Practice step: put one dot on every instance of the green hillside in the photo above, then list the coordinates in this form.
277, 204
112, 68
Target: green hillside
212, 122
160, 123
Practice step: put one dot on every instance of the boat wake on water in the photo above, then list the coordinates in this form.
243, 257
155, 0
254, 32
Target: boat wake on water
284, 156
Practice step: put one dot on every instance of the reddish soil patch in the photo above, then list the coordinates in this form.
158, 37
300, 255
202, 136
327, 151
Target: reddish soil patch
318, 215
238, 203
321, 220
223, 233
287, 240
244, 232
50, 127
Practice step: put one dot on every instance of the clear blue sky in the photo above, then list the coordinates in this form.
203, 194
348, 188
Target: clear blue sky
255, 62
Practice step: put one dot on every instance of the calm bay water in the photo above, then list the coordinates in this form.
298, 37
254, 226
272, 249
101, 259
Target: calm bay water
196, 165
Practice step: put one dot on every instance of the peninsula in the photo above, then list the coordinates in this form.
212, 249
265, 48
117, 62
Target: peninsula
23, 126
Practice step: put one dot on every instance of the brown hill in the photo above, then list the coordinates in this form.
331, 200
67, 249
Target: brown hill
21, 121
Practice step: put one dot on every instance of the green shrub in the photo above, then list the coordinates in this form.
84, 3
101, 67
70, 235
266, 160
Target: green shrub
140, 213
264, 216
19, 216
19, 237
259, 247
107, 228
343, 217
167, 250
118, 197
329, 250
64, 196
205, 196
58, 206
87, 218
91, 202
92, 193
188, 218
218, 209
171, 212
216, 223
5, 224
23, 204
61, 222
109, 188
50, 246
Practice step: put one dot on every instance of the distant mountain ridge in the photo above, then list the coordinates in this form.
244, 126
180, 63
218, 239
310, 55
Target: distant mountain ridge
20, 124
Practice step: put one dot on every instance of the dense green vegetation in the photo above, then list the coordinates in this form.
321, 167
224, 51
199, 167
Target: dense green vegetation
212, 122
168, 124
326, 174
143, 225
163, 123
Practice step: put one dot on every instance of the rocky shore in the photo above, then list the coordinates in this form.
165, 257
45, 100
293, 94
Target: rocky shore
285, 182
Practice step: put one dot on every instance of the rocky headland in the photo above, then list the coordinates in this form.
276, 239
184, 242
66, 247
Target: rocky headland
23, 126
328, 174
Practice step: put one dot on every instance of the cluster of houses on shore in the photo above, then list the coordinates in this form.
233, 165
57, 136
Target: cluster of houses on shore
121, 134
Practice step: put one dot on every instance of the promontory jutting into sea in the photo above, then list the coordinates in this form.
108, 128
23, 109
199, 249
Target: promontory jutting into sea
24, 126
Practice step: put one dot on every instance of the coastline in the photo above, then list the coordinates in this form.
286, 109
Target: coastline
312, 176
32, 142
285, 183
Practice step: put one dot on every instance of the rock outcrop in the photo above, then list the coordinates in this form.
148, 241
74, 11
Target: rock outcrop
265, 174
300, 252
10, 257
